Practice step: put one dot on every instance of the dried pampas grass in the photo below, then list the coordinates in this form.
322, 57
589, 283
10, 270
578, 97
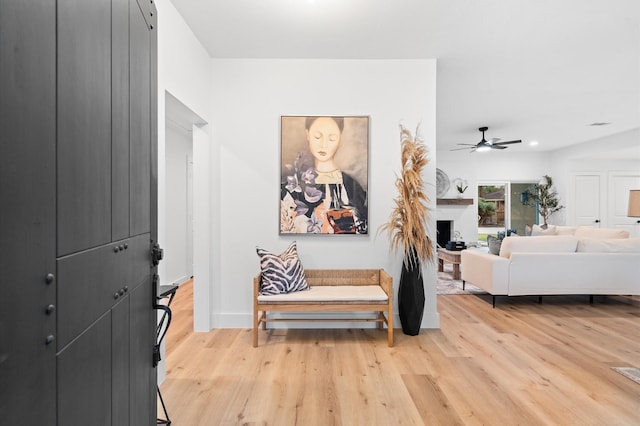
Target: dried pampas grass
407, 223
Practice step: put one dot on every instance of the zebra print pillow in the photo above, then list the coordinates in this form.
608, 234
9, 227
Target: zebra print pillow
281, 273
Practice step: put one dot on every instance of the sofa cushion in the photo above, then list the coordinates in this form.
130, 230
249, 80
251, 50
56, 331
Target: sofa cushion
609, 233
537, 230
609, 245
538, 244
331, 293
281, 273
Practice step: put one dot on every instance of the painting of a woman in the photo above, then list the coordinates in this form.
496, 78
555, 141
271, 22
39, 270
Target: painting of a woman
324, 175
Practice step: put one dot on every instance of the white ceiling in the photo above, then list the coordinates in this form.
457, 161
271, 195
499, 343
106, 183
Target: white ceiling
539, 70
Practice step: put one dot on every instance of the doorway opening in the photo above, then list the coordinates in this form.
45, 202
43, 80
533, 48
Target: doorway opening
181, 225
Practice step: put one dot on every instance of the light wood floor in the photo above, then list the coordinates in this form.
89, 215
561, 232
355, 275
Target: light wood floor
522, 363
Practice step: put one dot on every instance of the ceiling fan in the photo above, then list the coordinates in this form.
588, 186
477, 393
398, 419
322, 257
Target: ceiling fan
486, 145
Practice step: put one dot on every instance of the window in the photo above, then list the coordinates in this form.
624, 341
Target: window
502, 206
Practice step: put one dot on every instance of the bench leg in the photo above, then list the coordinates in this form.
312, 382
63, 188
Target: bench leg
255, 328
390, 329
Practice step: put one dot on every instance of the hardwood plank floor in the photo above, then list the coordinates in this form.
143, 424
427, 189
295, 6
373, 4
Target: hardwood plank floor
522, 363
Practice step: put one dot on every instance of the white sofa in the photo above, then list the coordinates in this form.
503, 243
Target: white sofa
581, 260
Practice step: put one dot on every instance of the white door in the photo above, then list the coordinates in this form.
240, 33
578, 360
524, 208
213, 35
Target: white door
619, 185
587, 199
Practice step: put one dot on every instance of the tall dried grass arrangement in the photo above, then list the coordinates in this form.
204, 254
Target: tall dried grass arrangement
407, 223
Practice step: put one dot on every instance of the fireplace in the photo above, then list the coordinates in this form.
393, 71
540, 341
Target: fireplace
444, 229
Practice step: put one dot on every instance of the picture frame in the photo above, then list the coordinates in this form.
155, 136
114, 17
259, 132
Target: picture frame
324, 174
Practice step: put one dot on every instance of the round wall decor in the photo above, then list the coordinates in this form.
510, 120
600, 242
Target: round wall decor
442, 183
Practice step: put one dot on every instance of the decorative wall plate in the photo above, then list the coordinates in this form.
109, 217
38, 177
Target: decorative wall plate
442, 183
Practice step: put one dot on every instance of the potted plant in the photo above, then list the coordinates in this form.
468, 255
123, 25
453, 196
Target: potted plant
461, 186
545, 197
407, 230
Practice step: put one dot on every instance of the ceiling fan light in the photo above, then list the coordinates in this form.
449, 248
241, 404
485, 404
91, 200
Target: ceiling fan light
483, 148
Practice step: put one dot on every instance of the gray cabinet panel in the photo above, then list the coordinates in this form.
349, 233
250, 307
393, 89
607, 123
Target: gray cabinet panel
143, 375
138, 260
84, 124
89, 283
120, 349
27, 217
154, 126
148, 12
84, 377
140, 98
120, 119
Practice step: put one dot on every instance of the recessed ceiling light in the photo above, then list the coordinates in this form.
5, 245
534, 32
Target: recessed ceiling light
599, 123
533, 143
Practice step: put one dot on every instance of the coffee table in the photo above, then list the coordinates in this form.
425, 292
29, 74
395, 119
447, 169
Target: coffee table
449, 256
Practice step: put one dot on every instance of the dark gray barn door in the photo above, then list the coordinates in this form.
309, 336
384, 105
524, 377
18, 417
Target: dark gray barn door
77, 325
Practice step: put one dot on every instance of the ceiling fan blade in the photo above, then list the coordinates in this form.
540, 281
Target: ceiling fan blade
484, 144
507, 143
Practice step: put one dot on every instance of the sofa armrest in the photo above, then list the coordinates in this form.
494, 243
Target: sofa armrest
485, 270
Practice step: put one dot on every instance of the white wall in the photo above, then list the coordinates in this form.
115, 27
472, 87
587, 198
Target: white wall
184, 71
249, 97
178, 148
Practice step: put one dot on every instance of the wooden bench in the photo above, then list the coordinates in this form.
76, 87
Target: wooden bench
331, 290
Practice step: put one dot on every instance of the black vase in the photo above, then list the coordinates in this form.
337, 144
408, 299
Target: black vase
411, 298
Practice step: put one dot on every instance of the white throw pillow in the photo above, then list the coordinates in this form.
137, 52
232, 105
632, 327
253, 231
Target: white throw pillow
609, 245
538, 244
566, 230
603, 233
537, 230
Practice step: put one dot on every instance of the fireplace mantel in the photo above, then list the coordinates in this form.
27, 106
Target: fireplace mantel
455, 201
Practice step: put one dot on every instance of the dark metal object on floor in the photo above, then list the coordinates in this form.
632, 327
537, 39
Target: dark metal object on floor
161, 330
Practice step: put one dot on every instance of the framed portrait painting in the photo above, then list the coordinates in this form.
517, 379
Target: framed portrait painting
324, 175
